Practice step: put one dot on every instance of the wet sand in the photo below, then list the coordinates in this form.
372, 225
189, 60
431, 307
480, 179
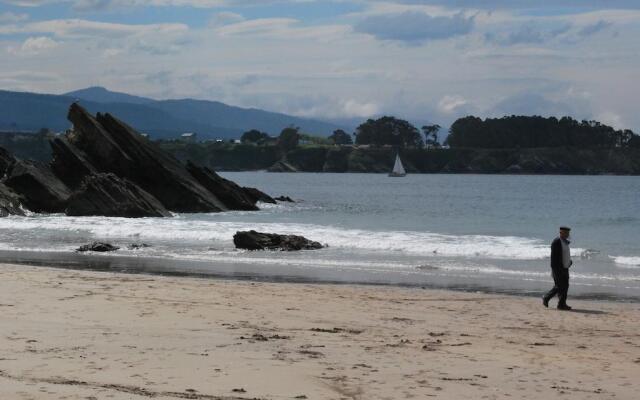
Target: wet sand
93, 335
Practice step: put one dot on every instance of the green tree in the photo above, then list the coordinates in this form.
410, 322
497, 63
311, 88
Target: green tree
254, 136
634, 142
340, 137
534, 132
388, 131
431, 135
289, 138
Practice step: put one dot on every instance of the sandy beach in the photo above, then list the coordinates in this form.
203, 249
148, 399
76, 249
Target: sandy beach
68, 334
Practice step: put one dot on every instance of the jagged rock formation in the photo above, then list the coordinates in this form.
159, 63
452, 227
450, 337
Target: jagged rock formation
252, 240
110, 196
104, 167
70, 163
257, 196
112, 146
285, 199
228, 192
9, 202
40, 189
6, 161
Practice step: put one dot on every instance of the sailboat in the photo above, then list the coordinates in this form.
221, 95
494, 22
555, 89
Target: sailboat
398, 169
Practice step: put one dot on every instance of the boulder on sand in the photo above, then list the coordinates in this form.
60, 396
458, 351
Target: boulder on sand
110, 196
97, 246
252, 240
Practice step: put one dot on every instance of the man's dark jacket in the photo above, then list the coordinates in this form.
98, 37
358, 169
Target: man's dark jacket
556, 255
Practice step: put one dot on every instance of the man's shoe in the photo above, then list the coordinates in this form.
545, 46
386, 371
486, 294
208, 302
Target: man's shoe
545, 302
564, 307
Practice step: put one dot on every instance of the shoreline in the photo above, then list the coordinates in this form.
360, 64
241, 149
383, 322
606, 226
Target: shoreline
165, 267
83, 334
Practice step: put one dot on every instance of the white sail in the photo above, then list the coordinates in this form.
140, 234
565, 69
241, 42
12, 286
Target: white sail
398, 168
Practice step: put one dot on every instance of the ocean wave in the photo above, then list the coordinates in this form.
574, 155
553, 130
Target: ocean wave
187, 230
626, 262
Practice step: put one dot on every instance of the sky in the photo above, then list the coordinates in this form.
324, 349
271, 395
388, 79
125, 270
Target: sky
425, 60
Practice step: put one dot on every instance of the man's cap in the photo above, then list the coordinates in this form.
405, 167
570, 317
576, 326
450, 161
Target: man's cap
565, 228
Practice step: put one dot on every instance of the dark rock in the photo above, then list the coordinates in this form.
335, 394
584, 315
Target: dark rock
514, 169
252, 240
39, 188
6, 161
282, 166
109, 145
9, 202
98, 246
138, 246
70, 164
110, 196
257, 195
286, 199
233, 196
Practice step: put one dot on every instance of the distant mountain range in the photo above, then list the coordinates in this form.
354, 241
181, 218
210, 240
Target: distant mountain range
21, 111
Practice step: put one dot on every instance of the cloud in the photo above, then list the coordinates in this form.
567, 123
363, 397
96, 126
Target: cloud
527, 4
35, 45
92, 5
413, 27
225, 18
450, 104
32, 3
528, 33
311, 105
288, 29
79, 28
594, 28
612, 119
257, 26
96, 5
533, 104
9, 17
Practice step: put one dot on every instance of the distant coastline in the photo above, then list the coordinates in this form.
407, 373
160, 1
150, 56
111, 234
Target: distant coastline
507, 145
341, 159
371, 159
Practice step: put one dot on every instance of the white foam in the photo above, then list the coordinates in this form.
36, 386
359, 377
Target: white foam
183, 230
626, 262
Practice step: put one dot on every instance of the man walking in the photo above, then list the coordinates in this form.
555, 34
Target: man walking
560, 263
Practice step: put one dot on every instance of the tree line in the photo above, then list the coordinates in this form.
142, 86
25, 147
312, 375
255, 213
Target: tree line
535, 131
468, 132
378, 132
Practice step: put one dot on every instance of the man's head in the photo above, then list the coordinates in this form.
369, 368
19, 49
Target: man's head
565, 232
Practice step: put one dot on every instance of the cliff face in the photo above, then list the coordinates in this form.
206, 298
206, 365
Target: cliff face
596, 161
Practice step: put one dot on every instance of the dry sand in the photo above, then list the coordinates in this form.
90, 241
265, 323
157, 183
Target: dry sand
87, 335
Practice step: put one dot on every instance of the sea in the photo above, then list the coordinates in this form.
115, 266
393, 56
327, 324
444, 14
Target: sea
486, 233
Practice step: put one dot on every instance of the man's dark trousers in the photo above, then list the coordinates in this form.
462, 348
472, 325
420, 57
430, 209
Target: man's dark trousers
561, 286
